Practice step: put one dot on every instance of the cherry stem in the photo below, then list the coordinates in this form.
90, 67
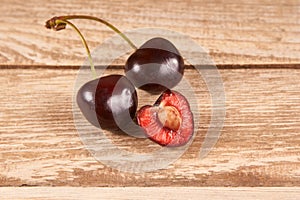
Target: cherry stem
59, 24
115, 29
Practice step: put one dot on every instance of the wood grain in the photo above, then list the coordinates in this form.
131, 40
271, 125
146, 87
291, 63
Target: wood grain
257, 48
234, 32
74, 193
259, 145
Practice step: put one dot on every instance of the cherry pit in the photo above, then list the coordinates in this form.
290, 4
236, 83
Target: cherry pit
110, 102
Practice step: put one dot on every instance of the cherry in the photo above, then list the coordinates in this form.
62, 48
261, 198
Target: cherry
111, 101
157, 63
108, 102
86, 101
169, 122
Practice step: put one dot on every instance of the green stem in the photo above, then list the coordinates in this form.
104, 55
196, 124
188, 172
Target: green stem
60, 24
68, 17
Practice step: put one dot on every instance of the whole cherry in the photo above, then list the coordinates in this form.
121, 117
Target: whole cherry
156, 64
108, 102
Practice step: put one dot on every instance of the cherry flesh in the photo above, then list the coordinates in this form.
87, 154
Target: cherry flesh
156, 64
169, 122
108, 102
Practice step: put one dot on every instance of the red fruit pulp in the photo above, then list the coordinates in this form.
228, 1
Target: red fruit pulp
169, 122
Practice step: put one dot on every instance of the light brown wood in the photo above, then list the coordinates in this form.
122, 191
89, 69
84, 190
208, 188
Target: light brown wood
74, 193
259, 145
256, 45
234, 32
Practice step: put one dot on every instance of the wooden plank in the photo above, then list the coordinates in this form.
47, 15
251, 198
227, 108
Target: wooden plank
259, 145
234, 32
74, 193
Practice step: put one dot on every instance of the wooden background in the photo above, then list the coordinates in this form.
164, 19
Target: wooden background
257, 48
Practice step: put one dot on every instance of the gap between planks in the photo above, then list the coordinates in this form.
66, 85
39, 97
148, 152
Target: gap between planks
220, 66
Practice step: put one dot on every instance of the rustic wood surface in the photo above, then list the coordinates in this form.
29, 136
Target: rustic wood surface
234, 32
259, 145
256, 47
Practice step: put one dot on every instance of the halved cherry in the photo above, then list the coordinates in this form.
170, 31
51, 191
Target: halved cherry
169, 122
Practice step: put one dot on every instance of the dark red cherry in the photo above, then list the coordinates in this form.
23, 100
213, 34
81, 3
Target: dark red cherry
86, 101
169, 122
108, 102
156, 63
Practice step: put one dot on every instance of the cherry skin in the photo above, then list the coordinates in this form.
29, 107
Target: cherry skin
108, 102
86, 101
156, 64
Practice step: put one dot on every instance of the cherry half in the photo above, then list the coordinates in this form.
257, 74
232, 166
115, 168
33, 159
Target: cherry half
169, 122
108, 102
